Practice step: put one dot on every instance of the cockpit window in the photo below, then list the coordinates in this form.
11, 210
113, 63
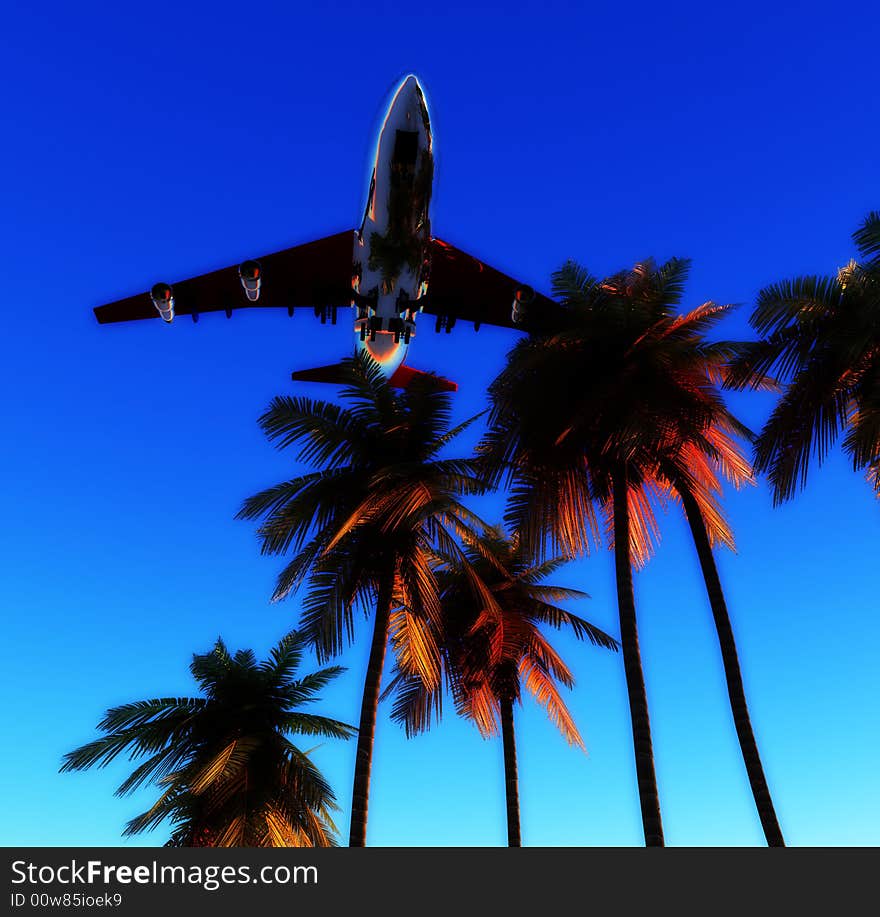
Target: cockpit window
403, 160
406, 147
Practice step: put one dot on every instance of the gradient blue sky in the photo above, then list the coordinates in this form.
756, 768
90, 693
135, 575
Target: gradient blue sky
163, 140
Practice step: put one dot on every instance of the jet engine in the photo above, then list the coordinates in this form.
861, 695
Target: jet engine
163, 299
250, 274
521, 299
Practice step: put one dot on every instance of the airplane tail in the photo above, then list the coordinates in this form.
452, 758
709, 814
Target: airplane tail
400, 378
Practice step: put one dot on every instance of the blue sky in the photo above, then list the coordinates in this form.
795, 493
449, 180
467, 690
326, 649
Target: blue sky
160, 142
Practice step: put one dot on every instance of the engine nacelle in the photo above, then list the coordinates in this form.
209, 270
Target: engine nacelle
163, 299
251, 274
521, 299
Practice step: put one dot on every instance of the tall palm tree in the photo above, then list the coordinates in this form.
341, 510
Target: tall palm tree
228, 773
694, 481
611, 409
698, 493
491, 651
364, 524
820, 336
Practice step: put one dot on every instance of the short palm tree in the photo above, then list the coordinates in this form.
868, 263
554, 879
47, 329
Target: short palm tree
363, 526
228, 773
492, 650
821, 337
615, 408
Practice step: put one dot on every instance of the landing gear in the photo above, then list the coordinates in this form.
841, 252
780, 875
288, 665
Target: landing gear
372, 325
325, 312
401, 328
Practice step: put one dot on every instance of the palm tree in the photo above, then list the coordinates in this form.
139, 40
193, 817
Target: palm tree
491, 651
363, 526
821, 336
698, 492
228, 773
613, 409
695, 483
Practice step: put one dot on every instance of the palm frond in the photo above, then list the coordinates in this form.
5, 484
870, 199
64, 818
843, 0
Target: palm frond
867, 238
330, 435
540, 684
309, 724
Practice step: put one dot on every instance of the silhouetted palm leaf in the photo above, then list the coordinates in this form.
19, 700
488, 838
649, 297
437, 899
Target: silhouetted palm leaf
821, 339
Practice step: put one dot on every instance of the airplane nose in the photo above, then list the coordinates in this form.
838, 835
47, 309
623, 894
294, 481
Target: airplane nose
410, 98
410, 92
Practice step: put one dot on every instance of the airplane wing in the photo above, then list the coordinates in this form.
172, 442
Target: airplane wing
463, 287
315, 274
319, 274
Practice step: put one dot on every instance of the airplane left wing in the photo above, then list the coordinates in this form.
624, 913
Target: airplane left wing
316, 274
463, 287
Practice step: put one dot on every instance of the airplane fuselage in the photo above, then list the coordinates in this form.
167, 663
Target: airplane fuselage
391, 261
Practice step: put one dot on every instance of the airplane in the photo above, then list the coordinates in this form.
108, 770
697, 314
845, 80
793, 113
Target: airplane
389, 270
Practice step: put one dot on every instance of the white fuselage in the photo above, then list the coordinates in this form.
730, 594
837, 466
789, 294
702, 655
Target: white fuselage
392, 246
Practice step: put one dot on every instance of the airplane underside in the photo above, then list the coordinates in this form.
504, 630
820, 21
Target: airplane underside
390, 270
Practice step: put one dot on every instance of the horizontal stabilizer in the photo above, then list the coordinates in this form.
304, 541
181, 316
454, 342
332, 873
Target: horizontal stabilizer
336, 374
404, 374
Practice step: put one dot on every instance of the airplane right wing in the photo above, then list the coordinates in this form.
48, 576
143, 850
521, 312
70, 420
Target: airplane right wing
463, 287
317, 274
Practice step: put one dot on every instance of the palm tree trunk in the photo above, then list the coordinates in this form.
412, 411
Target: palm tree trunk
511, 779
369, 707
735, 690
632, 664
